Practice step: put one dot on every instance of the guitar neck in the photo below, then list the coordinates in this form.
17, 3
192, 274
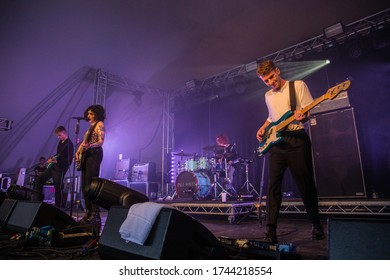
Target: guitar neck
290, 119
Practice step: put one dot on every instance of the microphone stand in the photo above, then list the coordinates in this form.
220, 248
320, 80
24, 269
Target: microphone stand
77, 130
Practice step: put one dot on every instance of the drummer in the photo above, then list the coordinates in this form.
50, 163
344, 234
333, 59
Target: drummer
226, 153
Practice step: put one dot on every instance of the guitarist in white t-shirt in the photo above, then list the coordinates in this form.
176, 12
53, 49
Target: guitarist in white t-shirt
292, 150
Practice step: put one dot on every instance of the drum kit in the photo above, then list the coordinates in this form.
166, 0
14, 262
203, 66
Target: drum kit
206, 177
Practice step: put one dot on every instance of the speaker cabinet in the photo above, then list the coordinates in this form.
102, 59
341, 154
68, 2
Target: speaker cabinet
29, 214
174, 235
3, 196
144, 172
6, 209
150, 189
359, 239
336, 155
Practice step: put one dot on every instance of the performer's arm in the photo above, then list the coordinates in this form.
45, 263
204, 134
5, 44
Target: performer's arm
261, 130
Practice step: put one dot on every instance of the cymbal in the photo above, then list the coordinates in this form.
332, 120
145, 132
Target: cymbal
213, 147
182, 154
230, 154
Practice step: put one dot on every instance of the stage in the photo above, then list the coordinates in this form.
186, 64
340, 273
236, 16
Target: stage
235, 210
239, 222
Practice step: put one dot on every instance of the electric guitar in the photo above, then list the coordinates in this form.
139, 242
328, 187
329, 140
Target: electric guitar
50, 164
81, 162
273, 132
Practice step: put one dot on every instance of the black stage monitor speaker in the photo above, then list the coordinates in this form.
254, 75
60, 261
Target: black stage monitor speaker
359, 239
3, 196
29, 214
174, 235
6, 209
336, 155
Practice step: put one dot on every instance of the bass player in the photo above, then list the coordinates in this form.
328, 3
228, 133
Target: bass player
293, 152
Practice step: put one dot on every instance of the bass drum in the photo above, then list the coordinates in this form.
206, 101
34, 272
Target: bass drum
190, 184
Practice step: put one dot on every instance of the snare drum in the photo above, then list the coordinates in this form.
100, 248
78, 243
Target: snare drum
189, 184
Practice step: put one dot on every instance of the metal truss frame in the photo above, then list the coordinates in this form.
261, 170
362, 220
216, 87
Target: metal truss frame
231, 210
339, 207
318, 43
103, 79
168, 140
326, 207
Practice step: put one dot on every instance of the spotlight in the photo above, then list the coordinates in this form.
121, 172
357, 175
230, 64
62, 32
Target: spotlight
333, 30
22, 193
106, 193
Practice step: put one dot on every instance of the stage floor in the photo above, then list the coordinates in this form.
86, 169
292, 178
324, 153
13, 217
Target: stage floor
236, 220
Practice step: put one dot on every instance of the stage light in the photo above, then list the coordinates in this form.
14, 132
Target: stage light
106, 193
333, 30
251, 66
192, 85
23, 193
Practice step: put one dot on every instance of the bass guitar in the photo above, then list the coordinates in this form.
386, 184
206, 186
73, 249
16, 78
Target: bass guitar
272, 134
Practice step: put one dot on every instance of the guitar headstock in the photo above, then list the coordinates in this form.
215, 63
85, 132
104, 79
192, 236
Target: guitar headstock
334, 91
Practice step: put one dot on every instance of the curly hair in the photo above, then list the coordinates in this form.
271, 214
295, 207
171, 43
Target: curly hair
263, 68
98, 110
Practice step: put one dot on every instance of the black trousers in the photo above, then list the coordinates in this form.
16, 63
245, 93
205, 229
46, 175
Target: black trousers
294, 152
93, 159
58, 181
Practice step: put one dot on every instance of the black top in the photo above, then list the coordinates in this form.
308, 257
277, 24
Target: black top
64, 154
230, 153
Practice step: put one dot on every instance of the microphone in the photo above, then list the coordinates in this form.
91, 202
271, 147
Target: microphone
78, 118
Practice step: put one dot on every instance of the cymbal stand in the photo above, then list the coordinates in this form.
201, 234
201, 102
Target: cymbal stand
227, 179
215, 185
248, 185
259, 212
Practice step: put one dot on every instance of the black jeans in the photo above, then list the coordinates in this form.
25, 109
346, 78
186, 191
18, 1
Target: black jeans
93, 159
293, 152
58, 181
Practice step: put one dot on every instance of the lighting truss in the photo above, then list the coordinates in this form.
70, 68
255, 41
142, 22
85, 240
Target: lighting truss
104, 78
358, 28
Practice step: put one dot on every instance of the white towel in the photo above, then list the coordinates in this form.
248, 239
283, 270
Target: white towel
139, 221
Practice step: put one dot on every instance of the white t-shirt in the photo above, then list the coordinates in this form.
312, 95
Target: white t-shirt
278, 102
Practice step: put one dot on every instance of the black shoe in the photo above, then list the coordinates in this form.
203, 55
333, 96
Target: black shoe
270, 235
87, 217
91, 217
271, 238
317, 232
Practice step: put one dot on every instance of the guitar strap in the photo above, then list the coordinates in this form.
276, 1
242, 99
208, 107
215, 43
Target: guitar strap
293, 99
90, 131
